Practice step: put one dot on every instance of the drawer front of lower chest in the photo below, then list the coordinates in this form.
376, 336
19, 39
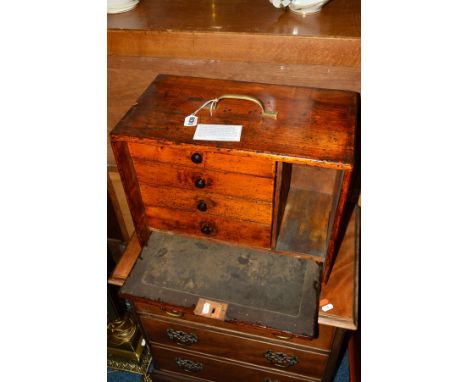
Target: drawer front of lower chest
235, 347
214, 369
146, 310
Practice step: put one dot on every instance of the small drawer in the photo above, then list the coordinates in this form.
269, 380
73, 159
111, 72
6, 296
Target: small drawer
322, 343
236, 347
234, 231
224, 183
206, 203
198, 157
214, 369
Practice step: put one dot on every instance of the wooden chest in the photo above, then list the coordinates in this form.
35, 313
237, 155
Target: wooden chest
279, 193
282, 187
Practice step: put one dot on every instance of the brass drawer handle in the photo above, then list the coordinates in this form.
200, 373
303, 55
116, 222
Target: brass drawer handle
181, 338
265, 113
280, 359
188, 365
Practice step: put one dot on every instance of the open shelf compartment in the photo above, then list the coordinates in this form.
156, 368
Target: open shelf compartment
306, 202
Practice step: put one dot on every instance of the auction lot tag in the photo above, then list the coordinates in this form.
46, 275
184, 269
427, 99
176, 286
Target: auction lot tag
190, 120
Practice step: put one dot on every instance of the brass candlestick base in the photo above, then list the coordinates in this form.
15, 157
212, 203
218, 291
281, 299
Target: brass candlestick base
124, 339
126, 348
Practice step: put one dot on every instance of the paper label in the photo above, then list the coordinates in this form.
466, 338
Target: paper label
225, 133
206, 308
190, 120
327, 307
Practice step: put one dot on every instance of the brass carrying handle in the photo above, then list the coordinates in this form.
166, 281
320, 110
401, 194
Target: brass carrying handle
265, 113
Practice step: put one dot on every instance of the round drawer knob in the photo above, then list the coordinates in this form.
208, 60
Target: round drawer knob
202, 206
197, 158
206, 229
200, 183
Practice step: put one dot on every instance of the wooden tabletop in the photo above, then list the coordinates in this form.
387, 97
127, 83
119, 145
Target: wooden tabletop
238, 30
339, 18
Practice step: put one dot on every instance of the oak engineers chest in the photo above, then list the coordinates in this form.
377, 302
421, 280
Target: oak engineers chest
281, 190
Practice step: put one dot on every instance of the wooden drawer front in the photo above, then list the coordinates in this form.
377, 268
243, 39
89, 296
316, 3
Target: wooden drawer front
224, 183
251, 375
216, 160
215, 369
323, 342
170, 376
215, 204
234, 231
236, 347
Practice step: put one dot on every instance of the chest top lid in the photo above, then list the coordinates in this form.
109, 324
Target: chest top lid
313, 126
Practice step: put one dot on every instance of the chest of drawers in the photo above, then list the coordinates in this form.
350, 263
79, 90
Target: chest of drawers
188, 346
278, 193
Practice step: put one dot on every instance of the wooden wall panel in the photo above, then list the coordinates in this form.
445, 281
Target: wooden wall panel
237, 47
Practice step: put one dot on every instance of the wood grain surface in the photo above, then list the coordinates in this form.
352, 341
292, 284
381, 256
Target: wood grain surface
223, 183
210, 159
319, 124
305, 223
282, 185
342, 289
132, 190
126, 262
322, 343
310, 363
216, 204
223, 30
295, 50
335, 239
118, 200
171, 376
339, 18
226, 370
226, 229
